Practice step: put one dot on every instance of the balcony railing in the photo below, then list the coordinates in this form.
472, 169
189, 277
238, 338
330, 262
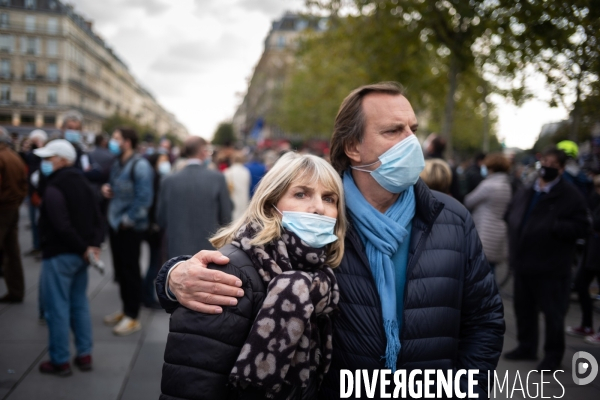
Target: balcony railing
22, 28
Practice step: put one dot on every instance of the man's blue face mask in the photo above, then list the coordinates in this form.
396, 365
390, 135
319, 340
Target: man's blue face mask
73, 136
400, 166
313, 229
114, 147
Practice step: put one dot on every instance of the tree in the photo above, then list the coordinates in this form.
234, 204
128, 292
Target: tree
224, 134
372, 47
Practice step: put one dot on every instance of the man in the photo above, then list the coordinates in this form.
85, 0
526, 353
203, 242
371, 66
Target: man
71, 232
193, 203
574, 174
130, 192
448, 312
13, 189
38, 139
544, 222
475, 173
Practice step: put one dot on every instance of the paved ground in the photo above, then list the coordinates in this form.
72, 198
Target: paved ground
128, 368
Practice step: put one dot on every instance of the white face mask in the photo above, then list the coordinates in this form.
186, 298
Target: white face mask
400, 166
164, 168
313, 229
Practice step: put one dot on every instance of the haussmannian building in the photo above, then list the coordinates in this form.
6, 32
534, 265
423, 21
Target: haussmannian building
265, 86
51, 61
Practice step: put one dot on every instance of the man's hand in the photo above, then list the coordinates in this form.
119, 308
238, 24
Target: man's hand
201, 289
91, 250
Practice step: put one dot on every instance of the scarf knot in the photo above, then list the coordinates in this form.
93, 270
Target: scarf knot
383, 235
291, 338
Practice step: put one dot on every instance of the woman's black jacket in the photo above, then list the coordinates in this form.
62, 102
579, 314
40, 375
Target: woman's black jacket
202, 348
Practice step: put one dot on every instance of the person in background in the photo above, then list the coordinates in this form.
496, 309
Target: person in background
544, 222
436, 145
475, 173
38, 139
193, 203
437, 175
166, 147
588, 270
71, 233
130, 192
488, 204
13, 189
573, 172
154, 236
238, 181
257, 171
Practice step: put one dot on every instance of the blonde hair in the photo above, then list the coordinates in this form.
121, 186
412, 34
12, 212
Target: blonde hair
289, 169
437, 175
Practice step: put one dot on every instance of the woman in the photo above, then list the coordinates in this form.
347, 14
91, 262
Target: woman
488, 203
276, 341
437, 175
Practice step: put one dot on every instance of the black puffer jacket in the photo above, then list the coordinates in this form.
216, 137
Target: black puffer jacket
453, 314
202, 348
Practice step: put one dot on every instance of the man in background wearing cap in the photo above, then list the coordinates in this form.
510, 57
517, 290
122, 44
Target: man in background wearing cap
13, 188
70, 232
573, 172
38, 139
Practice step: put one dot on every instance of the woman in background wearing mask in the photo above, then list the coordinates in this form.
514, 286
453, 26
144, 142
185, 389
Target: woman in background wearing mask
277, 339
154, 236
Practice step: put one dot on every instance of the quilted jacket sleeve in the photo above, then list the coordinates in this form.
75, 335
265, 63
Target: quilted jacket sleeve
202, 348
482, 319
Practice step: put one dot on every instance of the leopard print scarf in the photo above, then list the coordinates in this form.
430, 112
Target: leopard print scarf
291, 338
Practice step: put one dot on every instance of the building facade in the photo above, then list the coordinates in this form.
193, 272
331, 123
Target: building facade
51, 61
252, 119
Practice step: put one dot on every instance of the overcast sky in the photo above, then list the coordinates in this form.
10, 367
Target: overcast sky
195, 56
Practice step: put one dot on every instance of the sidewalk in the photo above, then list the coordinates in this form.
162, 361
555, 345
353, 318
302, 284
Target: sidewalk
128, 368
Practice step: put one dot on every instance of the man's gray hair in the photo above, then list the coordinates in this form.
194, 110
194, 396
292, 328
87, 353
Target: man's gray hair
73, 115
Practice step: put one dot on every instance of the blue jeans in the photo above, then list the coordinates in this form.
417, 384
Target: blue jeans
148, 291
63, 284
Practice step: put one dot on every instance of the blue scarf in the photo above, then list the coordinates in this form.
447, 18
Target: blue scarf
384, 235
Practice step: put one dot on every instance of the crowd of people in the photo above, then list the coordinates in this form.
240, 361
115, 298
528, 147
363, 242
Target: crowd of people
388, 249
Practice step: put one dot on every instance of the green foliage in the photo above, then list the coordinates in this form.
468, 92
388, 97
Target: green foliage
224, 134
115, 121
358, 50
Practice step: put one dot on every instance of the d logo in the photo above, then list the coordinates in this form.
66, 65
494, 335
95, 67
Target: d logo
581, 368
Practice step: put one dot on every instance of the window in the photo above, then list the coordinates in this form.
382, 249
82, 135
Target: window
5, 68
281, 42
30, 3
52, 96
52, 25
4, 2
30, 23
51, 48
6, 43
5, 94
49, 120
4, 20
30, 98
52, 71
31, 45
30, 69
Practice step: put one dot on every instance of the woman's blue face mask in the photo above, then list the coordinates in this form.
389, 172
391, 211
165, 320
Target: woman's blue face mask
400, 166
313, 229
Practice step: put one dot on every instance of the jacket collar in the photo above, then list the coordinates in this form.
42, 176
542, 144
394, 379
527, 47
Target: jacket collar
428, 207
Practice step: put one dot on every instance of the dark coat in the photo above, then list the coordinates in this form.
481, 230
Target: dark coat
453, 314
545, 243
202, 348
592, 256
70, 219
